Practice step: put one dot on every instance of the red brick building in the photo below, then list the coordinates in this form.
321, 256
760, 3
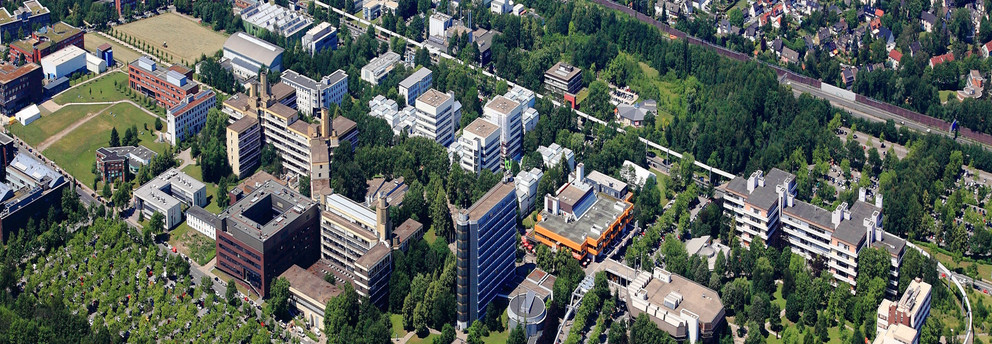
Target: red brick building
45, 41
168, 86
110, 164
19, 87
122, 4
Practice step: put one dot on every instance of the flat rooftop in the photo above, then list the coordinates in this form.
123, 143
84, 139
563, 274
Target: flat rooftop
763, 196
52, 34
481, 128
502, 105
416, 77
264, 212
489, 200
311, 285
603, 213
696, 298
10, 73
563, 71
433, 98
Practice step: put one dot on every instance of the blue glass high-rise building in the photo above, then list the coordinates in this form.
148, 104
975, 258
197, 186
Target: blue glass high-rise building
485, 237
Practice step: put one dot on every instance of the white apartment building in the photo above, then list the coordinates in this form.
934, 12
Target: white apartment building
400, 120
416, 84
480, 145
552, 155
311, 95
901, 322
526, 183
379, 67
507, 114
438, 115
320, 37
761, 205
189, 116
755, 203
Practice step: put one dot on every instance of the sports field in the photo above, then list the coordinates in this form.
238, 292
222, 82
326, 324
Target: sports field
53, 123
186, 39
122, 54
99, 90
76, 151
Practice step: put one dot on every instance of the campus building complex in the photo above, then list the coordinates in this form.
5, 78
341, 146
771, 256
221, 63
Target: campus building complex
169, 87
19, 87
580, 219
902, 321
416, 84
247, 55
64, 63
265, 233
187, 118
400, 120
23, 20
484, 248
356, 242
438, 115
301, 145
311, 95
275, 19
46, 40
764, 207
167, 193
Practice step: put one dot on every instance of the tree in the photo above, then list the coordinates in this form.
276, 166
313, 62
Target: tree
517, 336
222, 198
115, 140
597, 103
304, 187
341, 311
279, 298
157, 223
231, 294
775, 317
158, 124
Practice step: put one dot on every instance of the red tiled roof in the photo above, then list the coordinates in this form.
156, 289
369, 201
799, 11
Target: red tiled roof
895, 55
936, 60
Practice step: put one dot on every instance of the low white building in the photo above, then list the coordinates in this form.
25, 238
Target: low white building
400, 120
379, 67
416, 84
28, 114
95, 64
203, 221
189, 117
553, 154
167, 193
634, 174
526, 183
64, 62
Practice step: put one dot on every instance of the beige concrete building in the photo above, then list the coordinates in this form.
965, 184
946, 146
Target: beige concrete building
244, 145
308, 294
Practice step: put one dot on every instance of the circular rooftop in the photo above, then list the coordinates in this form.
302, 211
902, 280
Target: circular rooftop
526, 308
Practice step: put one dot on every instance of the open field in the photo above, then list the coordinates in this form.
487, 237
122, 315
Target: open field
99, 90
122, 54
397, 321
53, 123
984, 270
194, 245
186, 39
76, 152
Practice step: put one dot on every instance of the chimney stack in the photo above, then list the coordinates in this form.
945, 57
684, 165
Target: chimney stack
862, 193
382, 220
580, 172
325, 122
878, 200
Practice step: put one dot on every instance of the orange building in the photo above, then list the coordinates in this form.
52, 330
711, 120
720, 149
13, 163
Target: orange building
581, 219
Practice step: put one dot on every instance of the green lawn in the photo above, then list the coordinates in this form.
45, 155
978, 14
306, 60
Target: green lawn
76, 152
193, 244
945, 95
212, 206
528, 221
984, 270
53, 123
100, 90
430, 236
777, 298
397, 321
426, 340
